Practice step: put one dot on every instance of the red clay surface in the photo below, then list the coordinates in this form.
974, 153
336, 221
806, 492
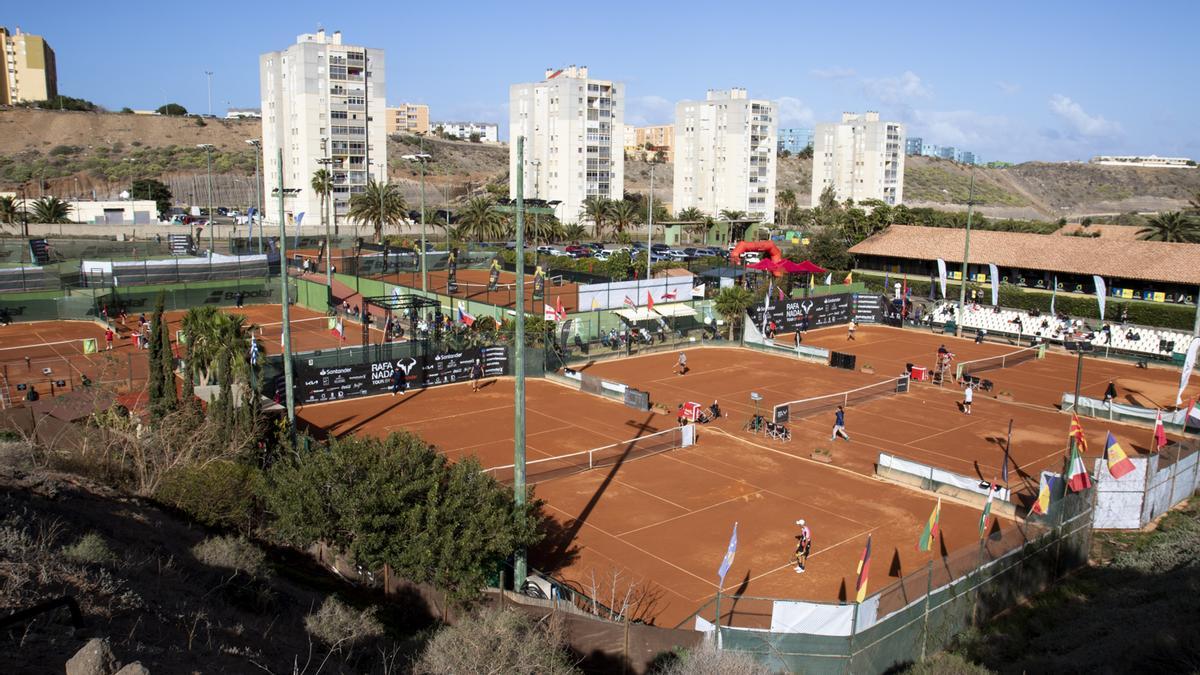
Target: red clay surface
664, 521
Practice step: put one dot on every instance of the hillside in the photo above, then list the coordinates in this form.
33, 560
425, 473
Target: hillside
78, 153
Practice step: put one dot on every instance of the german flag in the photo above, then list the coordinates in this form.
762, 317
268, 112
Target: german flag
864, 565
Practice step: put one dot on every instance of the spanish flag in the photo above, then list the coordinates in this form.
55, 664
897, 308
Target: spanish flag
931, 527
849, 278
1118, 462
864, 565
1077, 433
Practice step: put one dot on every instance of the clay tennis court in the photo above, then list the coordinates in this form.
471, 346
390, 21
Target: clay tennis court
310, 329
664, 520
1040, 381
924, 424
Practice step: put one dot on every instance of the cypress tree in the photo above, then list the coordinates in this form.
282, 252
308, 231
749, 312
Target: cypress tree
166, 360
155, 383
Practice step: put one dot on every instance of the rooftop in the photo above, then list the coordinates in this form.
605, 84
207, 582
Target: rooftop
1123, 258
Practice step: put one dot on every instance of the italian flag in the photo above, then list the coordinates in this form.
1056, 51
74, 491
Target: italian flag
987, 513
1077, 475
931, 527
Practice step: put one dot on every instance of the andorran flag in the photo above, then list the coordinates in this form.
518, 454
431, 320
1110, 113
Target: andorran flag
1118, 462
931, 527
864, 565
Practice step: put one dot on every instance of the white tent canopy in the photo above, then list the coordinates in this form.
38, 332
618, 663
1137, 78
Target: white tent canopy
667, 311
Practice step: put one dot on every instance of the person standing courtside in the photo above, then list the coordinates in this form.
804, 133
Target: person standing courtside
839, 425
803, 546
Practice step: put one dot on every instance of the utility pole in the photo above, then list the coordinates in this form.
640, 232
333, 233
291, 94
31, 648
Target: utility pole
962, 287
650, 225
288, 379
209, 74
421, 158
519, 562
258, 205
211, 214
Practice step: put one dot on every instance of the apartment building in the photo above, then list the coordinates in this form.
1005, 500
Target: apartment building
794, 140
574, 132
861, 157
408, 118
323, 102
725, 151
1149, 161
487, 132
30, 73
913, 145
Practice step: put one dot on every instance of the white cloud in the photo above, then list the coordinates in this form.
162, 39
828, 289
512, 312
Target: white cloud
832, 73
793, 112
964, 129
905, 87
1080, 122
643, 111
1008, 88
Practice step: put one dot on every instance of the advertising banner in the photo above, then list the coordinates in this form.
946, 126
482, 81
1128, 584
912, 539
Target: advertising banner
317, 384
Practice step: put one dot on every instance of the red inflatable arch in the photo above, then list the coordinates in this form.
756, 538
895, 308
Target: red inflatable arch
767, 247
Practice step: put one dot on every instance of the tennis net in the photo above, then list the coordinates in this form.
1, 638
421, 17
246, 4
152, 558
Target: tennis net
476, 288
538, 470
818, 404
1002, 361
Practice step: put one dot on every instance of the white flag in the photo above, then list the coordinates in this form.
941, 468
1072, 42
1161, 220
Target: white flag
829, 278
1096, 279
1189, 362
942, 276
995, 284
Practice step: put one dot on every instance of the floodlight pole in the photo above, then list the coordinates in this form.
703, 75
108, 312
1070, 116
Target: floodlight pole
289, 397
211, 215
650, 224
962, 286
258, 205
519, 562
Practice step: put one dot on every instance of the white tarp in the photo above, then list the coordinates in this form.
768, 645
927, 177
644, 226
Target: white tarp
1096, 408
107, 266
1119, 501
788, 616
659, 311
968, 483
612, 295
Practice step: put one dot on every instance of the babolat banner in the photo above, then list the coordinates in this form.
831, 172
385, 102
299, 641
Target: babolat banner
790, 315
315, 384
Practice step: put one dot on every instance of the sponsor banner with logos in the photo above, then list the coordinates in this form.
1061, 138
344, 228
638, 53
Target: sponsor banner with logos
828, 310
316, 384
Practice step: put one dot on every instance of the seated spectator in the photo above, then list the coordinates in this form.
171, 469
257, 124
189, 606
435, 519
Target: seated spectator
715, 410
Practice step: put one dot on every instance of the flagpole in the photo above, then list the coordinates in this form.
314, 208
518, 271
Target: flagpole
718, 617
1007, 452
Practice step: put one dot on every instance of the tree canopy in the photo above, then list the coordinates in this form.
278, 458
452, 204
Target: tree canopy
171, 109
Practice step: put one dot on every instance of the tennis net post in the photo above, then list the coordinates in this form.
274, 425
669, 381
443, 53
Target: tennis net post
548, 468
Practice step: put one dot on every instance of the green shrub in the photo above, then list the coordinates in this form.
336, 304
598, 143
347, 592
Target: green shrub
218, 494
497, 641
338, 624
91, 548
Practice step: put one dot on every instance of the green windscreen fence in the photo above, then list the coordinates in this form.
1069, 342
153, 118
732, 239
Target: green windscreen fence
85, 304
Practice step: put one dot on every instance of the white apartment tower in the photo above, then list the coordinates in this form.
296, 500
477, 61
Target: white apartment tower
323, 103
574, 134
861, 157
725, 155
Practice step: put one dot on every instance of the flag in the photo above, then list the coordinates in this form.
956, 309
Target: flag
595, 303
339, 329
886, 279
1077, 475
1007, 446
864, 565
849, 278
780, 292
560, 314
548, 313
1049, 484
1053, 295
995, 283
904, 292
1191, 413
1189, 362
931, 527
942, 276
649, 302
464, 317
829, 278
670, 295
1160, 433
90, 346
1099, 282
727, 561
987, 513
1077, 434
630, 303
1118, 461
253, 352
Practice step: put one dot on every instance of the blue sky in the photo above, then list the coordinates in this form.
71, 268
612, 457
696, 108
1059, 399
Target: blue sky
1010, 80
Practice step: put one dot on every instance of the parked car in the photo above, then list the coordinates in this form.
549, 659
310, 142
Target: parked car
604, 254
594, 245
578, 251
678, 254
551, 251
660, 248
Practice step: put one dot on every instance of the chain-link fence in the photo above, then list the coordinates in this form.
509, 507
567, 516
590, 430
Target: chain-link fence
920, 613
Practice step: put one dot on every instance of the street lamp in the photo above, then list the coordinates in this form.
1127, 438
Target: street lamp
962, 287
421, 158
257, 143
209, 74
211, 219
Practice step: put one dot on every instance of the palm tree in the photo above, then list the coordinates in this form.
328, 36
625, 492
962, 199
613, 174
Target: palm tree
732, 215
379, 204
545, 228
732, 304
8, 210
694, 218
787, 202
480, 220
1194, 203
574, 233
623, 214
51, 210
211, 333
596, 209
322, 184
1171, 227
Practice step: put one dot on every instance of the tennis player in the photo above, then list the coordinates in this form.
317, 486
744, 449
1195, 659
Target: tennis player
476, 374
803, 547
839, 425
968, 396
681, 366
850, 331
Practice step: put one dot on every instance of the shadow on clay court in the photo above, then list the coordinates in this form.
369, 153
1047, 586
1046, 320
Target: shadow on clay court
400, 399
577, 523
